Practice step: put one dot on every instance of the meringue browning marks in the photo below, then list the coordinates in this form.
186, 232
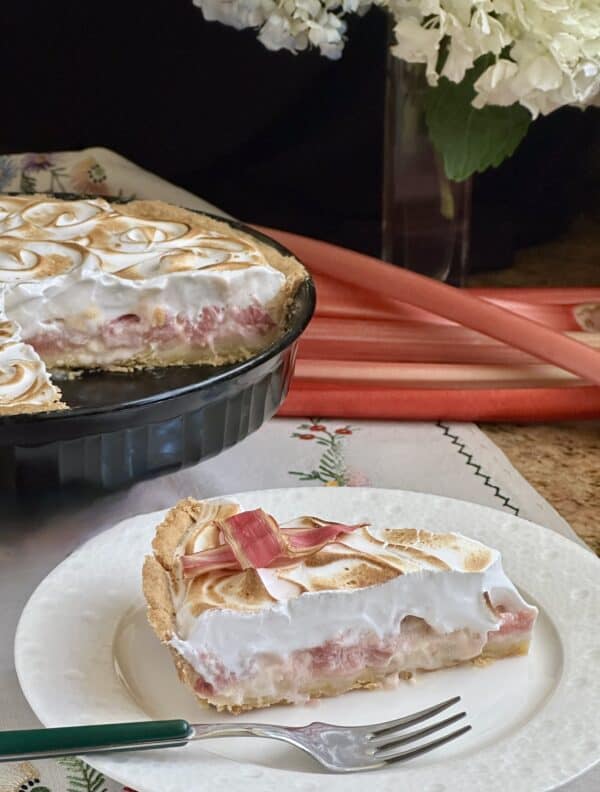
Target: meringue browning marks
23, 378
44, 237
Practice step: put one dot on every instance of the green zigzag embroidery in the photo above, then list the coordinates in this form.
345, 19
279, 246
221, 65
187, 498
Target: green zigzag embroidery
478, 472
81, 777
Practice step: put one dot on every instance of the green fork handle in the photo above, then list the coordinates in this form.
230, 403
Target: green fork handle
67, 740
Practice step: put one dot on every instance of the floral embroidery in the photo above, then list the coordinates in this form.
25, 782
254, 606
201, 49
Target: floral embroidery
32, 165
37, 162
21, 777
8, 171
33, 786
81, 777
332, 470
52, 173
88, 176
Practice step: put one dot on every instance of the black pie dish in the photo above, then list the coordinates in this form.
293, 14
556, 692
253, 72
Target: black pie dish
126, 427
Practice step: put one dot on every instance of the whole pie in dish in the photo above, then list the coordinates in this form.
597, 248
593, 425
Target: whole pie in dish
86, 284
257, 613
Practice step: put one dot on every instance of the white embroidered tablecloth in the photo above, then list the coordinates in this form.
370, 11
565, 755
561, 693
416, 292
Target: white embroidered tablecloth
446, 459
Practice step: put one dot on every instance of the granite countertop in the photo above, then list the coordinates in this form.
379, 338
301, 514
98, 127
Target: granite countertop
561, 460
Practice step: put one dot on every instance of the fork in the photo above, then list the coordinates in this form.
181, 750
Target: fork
339, 749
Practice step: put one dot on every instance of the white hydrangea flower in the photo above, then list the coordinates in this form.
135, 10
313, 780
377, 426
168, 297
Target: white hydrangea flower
237, 13
293, 25
556, 56
548, 51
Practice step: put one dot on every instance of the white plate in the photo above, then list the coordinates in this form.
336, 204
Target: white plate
84, 654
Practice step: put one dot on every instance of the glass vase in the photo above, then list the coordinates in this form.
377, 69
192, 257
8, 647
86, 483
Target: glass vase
426, 216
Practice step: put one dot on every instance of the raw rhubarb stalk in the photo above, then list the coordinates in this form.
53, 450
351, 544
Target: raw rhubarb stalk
432, 375
543, 295
371, 275
488, 404
569, 312
337, 299
402, 341
559, 316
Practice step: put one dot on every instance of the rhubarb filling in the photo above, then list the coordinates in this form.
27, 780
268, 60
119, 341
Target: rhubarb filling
339, 665
166, 337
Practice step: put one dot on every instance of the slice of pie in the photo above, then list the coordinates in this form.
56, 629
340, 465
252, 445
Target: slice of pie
256, 613
94, 285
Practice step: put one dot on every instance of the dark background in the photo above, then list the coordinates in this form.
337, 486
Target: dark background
287, 141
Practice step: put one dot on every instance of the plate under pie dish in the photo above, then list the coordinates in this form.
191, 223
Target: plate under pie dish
125, 424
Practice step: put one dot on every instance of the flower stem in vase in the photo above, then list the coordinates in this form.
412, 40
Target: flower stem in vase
426, 216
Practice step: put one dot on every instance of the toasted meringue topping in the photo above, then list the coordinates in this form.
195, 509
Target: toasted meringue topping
121, 234
142, 249
61, 220
23, 379
30, 260
310, 555
180, 260
11, 209
8, 331
220, 588
135, 248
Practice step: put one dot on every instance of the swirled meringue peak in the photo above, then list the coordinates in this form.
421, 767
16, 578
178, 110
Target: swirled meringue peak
30, 260
122, 234
24, 383
62, 220
9, 331
11, 212
137, 249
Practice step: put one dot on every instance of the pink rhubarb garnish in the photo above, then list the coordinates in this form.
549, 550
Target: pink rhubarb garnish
254, 540
310, 534
254, 537
220, 557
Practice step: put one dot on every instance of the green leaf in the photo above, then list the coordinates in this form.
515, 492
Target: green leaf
81, 776
471, 140
96, 782
326, 471
27, 183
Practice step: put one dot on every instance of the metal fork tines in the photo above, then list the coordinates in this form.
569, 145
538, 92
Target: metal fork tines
343, 749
